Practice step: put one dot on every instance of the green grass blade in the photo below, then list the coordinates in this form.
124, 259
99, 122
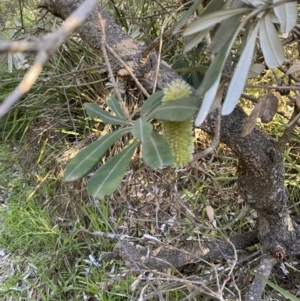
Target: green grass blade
285, 293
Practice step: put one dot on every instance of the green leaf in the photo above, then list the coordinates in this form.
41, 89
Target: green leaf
283, 292
142, 129
294, 68
226, 28
212, 19
94, 111
108, 177
213, 6
239, 78
270, 43
207, 102
196, 79
151, 103
255, 69
197, 39
287, 14
177, 110
214, 71
186, 16
218, 98
87, 158
157, 151
113, 103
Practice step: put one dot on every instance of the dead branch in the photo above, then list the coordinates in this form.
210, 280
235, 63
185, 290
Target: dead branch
258, 286
255, 100
286, 136
166, 256
215, 141
46, 47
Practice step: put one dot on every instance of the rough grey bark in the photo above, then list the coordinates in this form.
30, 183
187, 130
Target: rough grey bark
127, 48
161, 256
261, 183
261, 169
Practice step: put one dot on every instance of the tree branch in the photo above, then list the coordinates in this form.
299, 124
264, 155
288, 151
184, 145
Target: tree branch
215, 141
258, 286
164, 256
286, 136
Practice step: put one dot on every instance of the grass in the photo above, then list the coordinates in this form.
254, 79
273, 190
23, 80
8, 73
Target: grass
47, 253
52, 233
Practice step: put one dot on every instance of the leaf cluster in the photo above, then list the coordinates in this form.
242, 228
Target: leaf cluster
156, 150
260, 20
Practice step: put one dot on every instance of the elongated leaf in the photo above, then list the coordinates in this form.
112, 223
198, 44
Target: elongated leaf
218, 99
248, 28
287, 14
210, 213
197, 39
215, 69
196, 79
87, 158
254, 2
177, 110
108, 177
270, 43
151, 103
157, 151
226, 28
207, 102
113, 103
186, 16
250, 121
142, 129
269, 108
238, 80
212, 19
212, 7
191, 69
224, 32
94, 110
255, 69
294, 68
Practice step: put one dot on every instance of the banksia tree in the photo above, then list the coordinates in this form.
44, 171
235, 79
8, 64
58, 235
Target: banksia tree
179, 134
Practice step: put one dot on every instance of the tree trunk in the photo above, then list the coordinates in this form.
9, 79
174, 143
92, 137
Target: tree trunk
261, 168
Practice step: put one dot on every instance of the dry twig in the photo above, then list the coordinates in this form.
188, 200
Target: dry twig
44, 48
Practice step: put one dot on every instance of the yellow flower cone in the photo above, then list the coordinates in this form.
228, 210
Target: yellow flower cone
179, 134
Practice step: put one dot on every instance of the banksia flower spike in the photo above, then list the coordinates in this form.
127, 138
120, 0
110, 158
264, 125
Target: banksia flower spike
179, 134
